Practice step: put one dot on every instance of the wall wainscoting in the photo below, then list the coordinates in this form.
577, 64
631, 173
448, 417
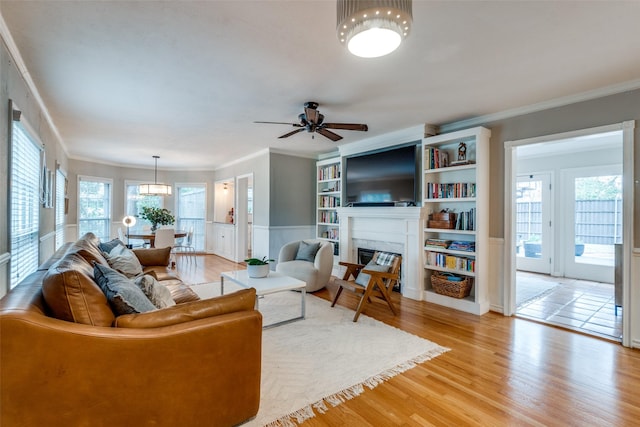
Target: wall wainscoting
634, 297
4, 273
47, 246
496, 274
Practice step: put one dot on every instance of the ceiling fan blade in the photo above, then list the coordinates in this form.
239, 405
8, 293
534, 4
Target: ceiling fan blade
282, 123
332, 136
346, 126
312, 115
293, 132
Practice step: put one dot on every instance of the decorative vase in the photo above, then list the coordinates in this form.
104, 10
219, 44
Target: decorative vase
154, 227
258, 271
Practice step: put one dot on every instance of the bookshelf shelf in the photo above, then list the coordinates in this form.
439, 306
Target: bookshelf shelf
328, 199
442, 178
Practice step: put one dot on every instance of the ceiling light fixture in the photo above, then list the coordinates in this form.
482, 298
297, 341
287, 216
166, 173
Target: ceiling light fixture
373, 28
154, 189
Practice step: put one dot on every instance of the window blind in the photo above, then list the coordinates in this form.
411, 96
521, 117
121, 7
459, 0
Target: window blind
60, 222
25, 203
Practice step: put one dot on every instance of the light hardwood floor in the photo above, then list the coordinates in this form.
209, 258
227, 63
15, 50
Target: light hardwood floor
501, 371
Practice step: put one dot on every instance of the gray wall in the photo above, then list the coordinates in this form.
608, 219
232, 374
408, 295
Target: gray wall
13, 87
582, 115
293, 194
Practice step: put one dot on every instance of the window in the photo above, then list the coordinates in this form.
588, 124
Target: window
134, 203
94, 206
24, 203
191, 202
60, 197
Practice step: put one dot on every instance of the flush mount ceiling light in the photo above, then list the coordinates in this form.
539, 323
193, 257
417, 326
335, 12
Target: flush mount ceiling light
373, 28
154, 189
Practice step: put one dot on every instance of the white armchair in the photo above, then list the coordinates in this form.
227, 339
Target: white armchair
315, 273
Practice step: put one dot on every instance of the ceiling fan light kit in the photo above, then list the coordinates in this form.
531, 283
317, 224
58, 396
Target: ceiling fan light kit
373, 28
154, 189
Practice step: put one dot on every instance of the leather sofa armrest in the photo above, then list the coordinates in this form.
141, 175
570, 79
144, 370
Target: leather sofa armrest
243, 300
153, 256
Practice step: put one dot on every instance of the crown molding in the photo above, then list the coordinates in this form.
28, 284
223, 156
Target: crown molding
24, 73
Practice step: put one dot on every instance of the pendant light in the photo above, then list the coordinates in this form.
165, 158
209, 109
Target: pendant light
154, 189
373, 28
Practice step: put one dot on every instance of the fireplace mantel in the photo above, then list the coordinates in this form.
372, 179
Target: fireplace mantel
397, 229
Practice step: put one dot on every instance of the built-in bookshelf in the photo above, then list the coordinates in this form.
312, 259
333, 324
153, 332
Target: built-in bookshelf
328, 197
455, 183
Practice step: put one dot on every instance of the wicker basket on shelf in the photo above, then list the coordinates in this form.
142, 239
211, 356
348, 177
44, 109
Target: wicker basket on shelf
442, 284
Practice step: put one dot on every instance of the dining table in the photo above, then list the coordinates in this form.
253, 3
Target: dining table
150, 237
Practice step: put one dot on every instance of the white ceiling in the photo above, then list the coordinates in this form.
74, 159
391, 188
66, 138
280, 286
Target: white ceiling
125, 80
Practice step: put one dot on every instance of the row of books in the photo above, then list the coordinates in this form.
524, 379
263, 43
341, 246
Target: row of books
329, 172
329, 201
456, 245
451, 262
435, 190
466, 220
435, 158
332, 233
330, 217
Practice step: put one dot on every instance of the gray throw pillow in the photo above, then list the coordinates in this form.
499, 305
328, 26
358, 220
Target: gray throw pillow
158, 294
107, 247
363, 278
125, 261
307, 251
123, 295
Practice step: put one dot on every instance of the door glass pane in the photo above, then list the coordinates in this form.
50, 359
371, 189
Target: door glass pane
598, 218
190, 215
94, 208
529, 218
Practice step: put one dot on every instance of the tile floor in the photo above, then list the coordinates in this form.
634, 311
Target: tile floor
579, 305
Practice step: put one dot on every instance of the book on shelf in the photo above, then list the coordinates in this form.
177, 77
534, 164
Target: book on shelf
438, 243
451, 262
458, 190
329, 172
436, 158
463, 245
466, 220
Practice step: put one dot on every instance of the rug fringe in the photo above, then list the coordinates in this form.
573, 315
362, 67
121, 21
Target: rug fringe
298, 417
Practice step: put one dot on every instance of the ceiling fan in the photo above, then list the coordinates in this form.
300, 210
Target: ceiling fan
312, 121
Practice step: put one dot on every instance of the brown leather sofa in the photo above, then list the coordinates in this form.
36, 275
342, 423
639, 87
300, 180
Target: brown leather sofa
196, 363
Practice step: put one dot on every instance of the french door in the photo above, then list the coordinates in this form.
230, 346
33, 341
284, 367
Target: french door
534, 237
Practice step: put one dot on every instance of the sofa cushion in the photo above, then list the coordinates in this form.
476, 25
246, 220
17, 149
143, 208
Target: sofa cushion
87, 247
124, 260
71, 294
242, 300
123, 295
307, 251
158, 294
153, 256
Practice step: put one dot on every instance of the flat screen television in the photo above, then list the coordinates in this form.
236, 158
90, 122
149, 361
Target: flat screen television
383, 177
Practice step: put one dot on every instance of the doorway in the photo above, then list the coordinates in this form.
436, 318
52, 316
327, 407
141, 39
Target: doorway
244, 216
576, 245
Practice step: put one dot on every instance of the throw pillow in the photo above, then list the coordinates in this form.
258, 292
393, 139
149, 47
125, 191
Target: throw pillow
125, 261
158, 294
307, 251
363, 278
107, 247
123, 295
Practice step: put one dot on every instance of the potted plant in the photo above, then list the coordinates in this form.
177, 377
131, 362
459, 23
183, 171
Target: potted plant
257, 268
157, 216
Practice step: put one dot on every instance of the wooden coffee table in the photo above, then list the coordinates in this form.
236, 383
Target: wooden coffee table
274, 282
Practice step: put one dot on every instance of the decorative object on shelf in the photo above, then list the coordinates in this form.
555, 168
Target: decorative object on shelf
154, 189
257, 268
451, 285
462, 152
129, 221
157, 216
373, 28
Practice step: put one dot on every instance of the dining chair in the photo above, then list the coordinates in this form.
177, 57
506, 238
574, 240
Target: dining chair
376, 279
185, 247
165, 237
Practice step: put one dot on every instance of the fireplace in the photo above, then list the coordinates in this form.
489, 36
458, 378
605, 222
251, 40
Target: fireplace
365, 255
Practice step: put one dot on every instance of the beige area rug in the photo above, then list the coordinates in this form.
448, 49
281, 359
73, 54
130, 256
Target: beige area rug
311, 365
